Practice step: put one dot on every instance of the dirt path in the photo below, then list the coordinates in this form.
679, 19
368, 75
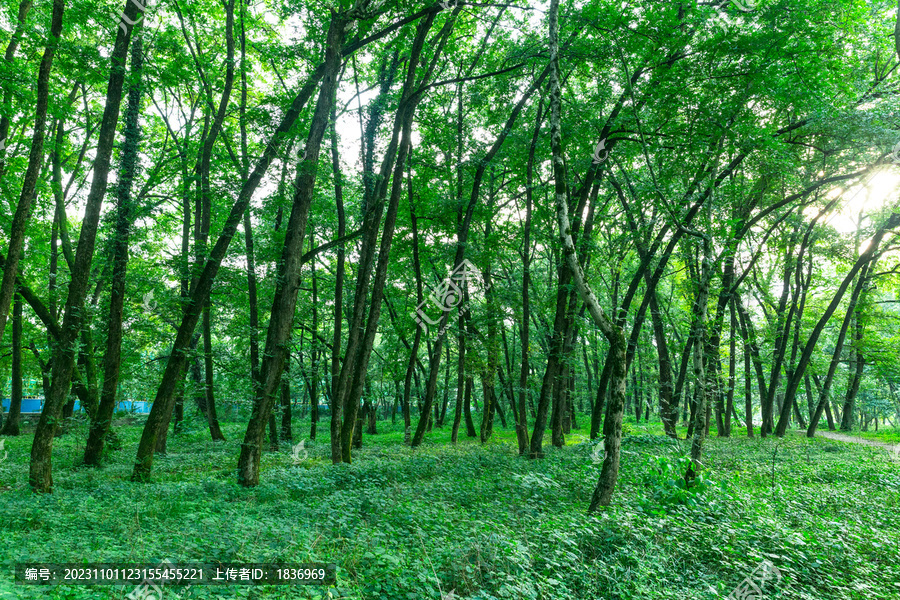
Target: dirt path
840, 437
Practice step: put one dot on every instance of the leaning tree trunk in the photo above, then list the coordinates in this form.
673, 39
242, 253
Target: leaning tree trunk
825, 388
35, 161
283, 306
805, 357
178, 357
615, 335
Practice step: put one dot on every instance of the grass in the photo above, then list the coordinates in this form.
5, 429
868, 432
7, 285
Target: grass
888, 436
477, 520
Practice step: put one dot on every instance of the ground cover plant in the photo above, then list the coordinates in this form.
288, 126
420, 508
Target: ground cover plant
478, 521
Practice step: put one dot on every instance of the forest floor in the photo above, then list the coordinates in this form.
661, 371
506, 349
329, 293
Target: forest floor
477, 521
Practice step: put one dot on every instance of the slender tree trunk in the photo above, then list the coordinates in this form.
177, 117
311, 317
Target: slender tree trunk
597, 408
211, 413
701, 377
40, 475
11, 424
35, 158
128, 170
467, 408
857, 362
314, 352
446, 401
613, 424
283, 306
522, 423
732, 366
668, 412
417, 338
460, 381
334, 404
285, 392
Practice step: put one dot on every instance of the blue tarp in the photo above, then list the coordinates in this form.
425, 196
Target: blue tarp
34, 405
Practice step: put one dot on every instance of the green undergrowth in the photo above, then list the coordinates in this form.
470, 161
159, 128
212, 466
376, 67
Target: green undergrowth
479, 521
889, 436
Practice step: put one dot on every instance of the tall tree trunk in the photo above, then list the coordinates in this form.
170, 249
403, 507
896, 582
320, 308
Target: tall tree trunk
460, 380
467, 408
417, 338
314, 351
35, 157
668, 412
857, 362
334, 404
522, 422
252, 301
205, 201
613, 425
748, 374
446, 401
211, 414
40, 473
781, 336
732, 367
371, 213
702, 379
285, 393
125, 209
284, 303
599, 404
